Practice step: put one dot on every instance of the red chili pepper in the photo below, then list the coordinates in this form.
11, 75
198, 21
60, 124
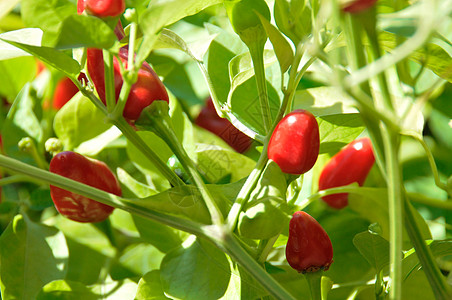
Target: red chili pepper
65, 90
88, 171
208, 119
294, 144
309, 247
144, 91
102, 8
351, 164
358, 6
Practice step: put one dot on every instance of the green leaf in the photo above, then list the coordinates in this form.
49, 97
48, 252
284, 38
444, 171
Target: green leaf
266, 214
155, 179
53, 57
243, 98
66, 290
78, 121
293, 18
150, 287
162, 237
63, 28
161, 13
31, 255
282, 48
91, 32
197, 270
215, 163
372, 204
30, 36
374, 248
430, 55
324, 101
338, 130
23, 120
222, 49
139, 189
136, 260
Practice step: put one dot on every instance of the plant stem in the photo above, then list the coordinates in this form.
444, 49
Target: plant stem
246, 190
265, 247
431, 159
99, 195
422, 199
315, 284
138, 142
110, 96
233, 249
160, 124
439, 285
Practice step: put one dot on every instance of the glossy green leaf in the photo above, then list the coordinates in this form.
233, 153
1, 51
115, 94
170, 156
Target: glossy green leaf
162, 13
282, 48
324, 101
78, 121
372, 204
197, 270
374, 248
150, 287
162, 237
30, 36
51, 56
58, 18
338, 130
136, 260
31, 255
66, 290
215, 163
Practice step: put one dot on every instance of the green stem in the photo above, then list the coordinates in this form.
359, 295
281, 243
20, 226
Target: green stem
138, 142
264, 249
246, 190
233, 249
257, 55
315, 284
15, 179
380, 286
440, 287
431, 159
422, 199
109, 80
99, 195
395, 197
160, 124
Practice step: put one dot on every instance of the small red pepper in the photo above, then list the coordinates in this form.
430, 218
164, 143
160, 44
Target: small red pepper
351, 164
88, 171
144, 91
208, 119
309, 247
357, 6
102, 8
295, 142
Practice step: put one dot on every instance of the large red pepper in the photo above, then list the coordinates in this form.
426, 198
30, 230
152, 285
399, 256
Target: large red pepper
144, 91
294, 144
88, 171
351, 164
208, 119
309, 247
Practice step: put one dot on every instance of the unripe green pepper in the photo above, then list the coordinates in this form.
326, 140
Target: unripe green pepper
245, 21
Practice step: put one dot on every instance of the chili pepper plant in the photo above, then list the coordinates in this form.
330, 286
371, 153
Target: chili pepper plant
186, 216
